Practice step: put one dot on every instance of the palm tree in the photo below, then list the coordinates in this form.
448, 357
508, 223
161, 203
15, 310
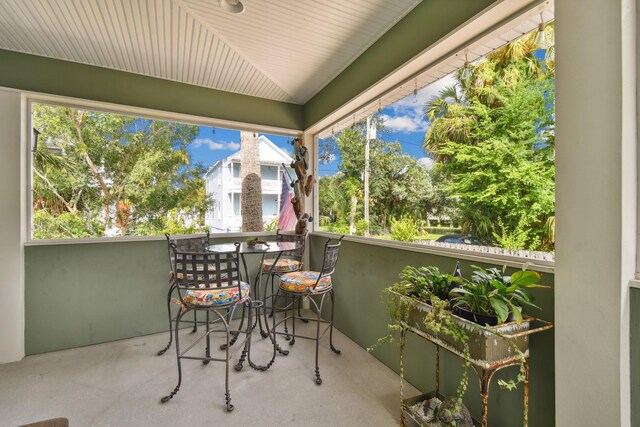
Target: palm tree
251, 196
449, 122
452, 118
352, 188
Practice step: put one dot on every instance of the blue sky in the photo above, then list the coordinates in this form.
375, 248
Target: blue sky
406, 122
404, 119
213, 144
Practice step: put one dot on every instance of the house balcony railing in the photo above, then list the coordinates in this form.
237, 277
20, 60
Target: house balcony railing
268, 185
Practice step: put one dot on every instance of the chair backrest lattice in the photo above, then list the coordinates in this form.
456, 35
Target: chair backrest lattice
331, 252
196, 243
206, 270
299, 239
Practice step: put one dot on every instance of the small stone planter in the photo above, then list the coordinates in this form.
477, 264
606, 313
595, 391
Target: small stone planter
413, 414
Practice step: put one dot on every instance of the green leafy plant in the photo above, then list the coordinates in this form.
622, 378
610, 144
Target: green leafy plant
424, 282
518, 238
492, 293
271, 225
404, 229
440, 321
361, 226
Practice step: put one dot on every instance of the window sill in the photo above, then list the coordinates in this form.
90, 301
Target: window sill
92, 240
511, 261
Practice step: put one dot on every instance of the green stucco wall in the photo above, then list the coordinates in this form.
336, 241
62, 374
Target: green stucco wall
365, 270
56, 77
422, 27
90, 293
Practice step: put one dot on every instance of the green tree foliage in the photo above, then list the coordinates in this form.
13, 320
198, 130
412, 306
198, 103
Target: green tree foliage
492, 136
93, 171
398, 184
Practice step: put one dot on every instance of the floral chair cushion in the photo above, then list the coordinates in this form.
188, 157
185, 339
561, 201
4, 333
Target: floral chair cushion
284, 265
216, 296
303, 281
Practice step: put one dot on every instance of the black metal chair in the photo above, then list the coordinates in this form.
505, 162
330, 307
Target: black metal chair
311, 285
188, 244
210, 282
286, 262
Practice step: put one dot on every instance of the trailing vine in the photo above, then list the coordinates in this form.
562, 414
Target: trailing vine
440, 292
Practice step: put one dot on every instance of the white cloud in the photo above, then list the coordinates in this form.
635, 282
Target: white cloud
407, 114
405, 123
426, 163
213, 145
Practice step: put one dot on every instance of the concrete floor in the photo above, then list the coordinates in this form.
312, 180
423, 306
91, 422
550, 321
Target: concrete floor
121, 383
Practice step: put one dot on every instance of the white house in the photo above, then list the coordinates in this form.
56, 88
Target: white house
224, 186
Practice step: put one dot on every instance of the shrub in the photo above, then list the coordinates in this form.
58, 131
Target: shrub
271, 225
404, 229
65, 225
361, 225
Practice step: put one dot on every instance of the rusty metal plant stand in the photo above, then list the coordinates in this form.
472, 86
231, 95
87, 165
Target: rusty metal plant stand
484, 371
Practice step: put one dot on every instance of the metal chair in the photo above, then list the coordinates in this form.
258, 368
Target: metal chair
310, 285
287, 262
189, 244
210, 282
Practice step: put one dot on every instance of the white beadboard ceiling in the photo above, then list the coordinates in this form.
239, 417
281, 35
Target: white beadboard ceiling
286, 50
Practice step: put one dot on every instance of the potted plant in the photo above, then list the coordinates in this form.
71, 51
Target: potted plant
490, 298
424, 282
422, 301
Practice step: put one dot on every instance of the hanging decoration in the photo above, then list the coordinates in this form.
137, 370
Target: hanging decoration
302, 184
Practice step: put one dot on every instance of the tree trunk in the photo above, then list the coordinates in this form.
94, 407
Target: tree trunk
105, 213
251, 197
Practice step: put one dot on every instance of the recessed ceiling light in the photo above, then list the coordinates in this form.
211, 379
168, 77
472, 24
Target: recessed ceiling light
232, 6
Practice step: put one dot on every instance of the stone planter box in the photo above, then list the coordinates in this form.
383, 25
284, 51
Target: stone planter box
488, 346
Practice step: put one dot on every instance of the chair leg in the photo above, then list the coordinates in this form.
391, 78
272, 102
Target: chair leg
248, 305
234, 337
335, 350
177, 388
318, 310
293, 319
274, 335
171, 289
227, 392
300, 311
195, 322
207, 351
272, 305
293, 311
274, 332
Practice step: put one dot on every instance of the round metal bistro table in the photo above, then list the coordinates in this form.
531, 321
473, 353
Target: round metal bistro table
258, 300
